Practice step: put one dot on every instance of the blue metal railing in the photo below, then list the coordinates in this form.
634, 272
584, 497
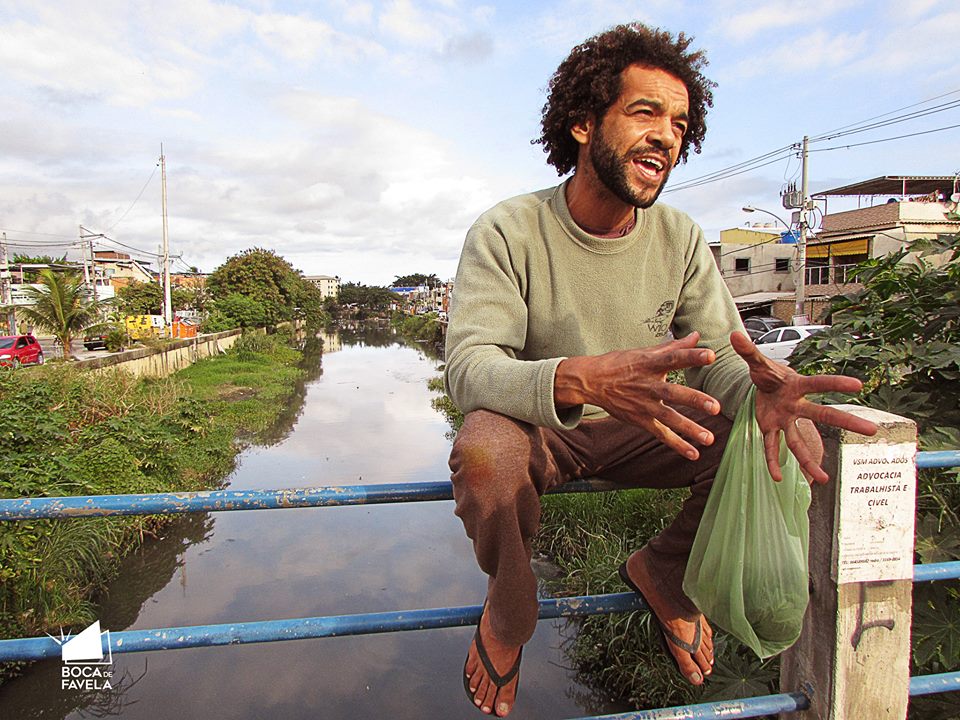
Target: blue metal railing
302, 628
225, 500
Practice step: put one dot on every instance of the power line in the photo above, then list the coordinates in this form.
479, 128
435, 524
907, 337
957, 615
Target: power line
891, 112
136, 200
721, 175
892, 121
882, 140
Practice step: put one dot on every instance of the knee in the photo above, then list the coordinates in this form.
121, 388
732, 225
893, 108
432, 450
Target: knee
488, 442
490, 457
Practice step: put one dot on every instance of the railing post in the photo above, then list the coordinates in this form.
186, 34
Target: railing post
854, 653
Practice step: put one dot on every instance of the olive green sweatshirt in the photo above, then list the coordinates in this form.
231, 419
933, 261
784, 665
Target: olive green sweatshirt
532, 288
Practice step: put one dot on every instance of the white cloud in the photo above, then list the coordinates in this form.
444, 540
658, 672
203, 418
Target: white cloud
767, 16
54, 58
304, 40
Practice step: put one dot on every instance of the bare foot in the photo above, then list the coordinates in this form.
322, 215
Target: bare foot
696, 666
486, 695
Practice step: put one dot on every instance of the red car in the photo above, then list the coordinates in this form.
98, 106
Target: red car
17, 350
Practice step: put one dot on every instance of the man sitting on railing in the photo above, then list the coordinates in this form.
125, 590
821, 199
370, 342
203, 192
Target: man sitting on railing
559, 345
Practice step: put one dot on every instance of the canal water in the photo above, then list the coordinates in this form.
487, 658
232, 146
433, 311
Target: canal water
363, 417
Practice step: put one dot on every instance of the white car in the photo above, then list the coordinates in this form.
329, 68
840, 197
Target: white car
780, 342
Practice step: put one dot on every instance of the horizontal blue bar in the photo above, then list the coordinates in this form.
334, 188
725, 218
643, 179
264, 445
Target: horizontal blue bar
314, 627
936, 571
82, 506
742, 708
223, 500
938, 459
934, 684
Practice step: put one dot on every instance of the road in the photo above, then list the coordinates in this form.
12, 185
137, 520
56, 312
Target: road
50, 351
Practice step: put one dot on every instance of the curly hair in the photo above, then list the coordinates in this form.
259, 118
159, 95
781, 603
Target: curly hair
589, 81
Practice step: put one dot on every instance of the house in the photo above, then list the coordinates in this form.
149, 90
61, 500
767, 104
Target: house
329, 285
116, 270
893, 211
757, 264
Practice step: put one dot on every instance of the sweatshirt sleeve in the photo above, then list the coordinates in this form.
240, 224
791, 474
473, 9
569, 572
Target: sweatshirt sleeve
706, 306
488, 329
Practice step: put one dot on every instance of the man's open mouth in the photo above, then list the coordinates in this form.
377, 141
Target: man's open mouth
650, 166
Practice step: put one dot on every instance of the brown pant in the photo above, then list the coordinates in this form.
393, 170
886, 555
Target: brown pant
502, 466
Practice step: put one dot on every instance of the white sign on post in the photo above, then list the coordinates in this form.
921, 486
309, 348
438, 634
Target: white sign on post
875, 535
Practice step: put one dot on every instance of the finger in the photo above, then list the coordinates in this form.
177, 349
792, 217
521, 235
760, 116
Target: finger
683, 425
805, 457
827, 415
828, 383
673, 394
681, 358
745, 347
673, 441
771, 451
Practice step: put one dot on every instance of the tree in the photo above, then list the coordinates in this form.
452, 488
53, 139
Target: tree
62, 306
416, 280
900, 334
30, 274
277, 288
261, 275
368, 297
139, 298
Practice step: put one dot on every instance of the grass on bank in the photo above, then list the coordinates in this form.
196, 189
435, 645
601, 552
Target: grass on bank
68, 432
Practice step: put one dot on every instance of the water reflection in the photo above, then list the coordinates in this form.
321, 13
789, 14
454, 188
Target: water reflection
366, 418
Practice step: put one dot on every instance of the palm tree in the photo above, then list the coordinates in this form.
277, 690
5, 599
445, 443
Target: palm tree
62, 306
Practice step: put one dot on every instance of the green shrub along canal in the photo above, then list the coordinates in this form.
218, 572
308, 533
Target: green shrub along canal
362, 415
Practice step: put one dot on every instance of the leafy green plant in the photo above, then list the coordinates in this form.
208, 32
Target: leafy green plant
112, 433
61, 305
900, 334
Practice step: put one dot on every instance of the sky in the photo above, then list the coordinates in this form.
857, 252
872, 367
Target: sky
361, 139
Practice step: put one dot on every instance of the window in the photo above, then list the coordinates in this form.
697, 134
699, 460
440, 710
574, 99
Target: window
782, 265
741, 264
770, 337
789, 335
818, 271
843, 266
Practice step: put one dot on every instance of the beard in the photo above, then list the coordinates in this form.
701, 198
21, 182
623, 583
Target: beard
611, 169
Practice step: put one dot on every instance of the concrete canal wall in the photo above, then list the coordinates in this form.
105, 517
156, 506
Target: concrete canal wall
160, 362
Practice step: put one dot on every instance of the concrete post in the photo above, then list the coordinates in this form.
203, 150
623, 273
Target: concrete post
853, 656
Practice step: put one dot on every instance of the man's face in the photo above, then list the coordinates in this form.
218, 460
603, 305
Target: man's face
637, 142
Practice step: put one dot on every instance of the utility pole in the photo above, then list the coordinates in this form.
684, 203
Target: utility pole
799, 315
83, 254
6, 297
167, 302
86, 238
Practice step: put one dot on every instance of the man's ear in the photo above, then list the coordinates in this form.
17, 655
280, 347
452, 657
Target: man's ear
582, 131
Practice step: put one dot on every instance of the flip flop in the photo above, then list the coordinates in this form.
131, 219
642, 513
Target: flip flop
500, 681
666, 635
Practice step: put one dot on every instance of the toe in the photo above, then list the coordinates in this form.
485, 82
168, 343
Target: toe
489, 697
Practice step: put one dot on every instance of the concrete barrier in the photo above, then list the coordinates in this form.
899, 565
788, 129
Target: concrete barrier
164, 361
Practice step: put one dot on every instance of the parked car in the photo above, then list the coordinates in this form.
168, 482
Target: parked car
759, 325
94, 342
17, 350
779, 343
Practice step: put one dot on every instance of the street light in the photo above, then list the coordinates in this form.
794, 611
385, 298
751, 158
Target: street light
800, 279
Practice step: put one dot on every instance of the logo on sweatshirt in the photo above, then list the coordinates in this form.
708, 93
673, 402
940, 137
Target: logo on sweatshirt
659, 324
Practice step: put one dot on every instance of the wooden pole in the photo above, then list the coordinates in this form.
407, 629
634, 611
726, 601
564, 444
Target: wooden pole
853, 656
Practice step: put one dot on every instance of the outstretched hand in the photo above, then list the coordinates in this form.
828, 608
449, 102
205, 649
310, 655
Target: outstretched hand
632, 386
782, 403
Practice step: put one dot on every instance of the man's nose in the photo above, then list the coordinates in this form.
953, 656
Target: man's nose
661, 134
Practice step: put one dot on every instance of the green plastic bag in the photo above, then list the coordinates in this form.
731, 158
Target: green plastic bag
748, 566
